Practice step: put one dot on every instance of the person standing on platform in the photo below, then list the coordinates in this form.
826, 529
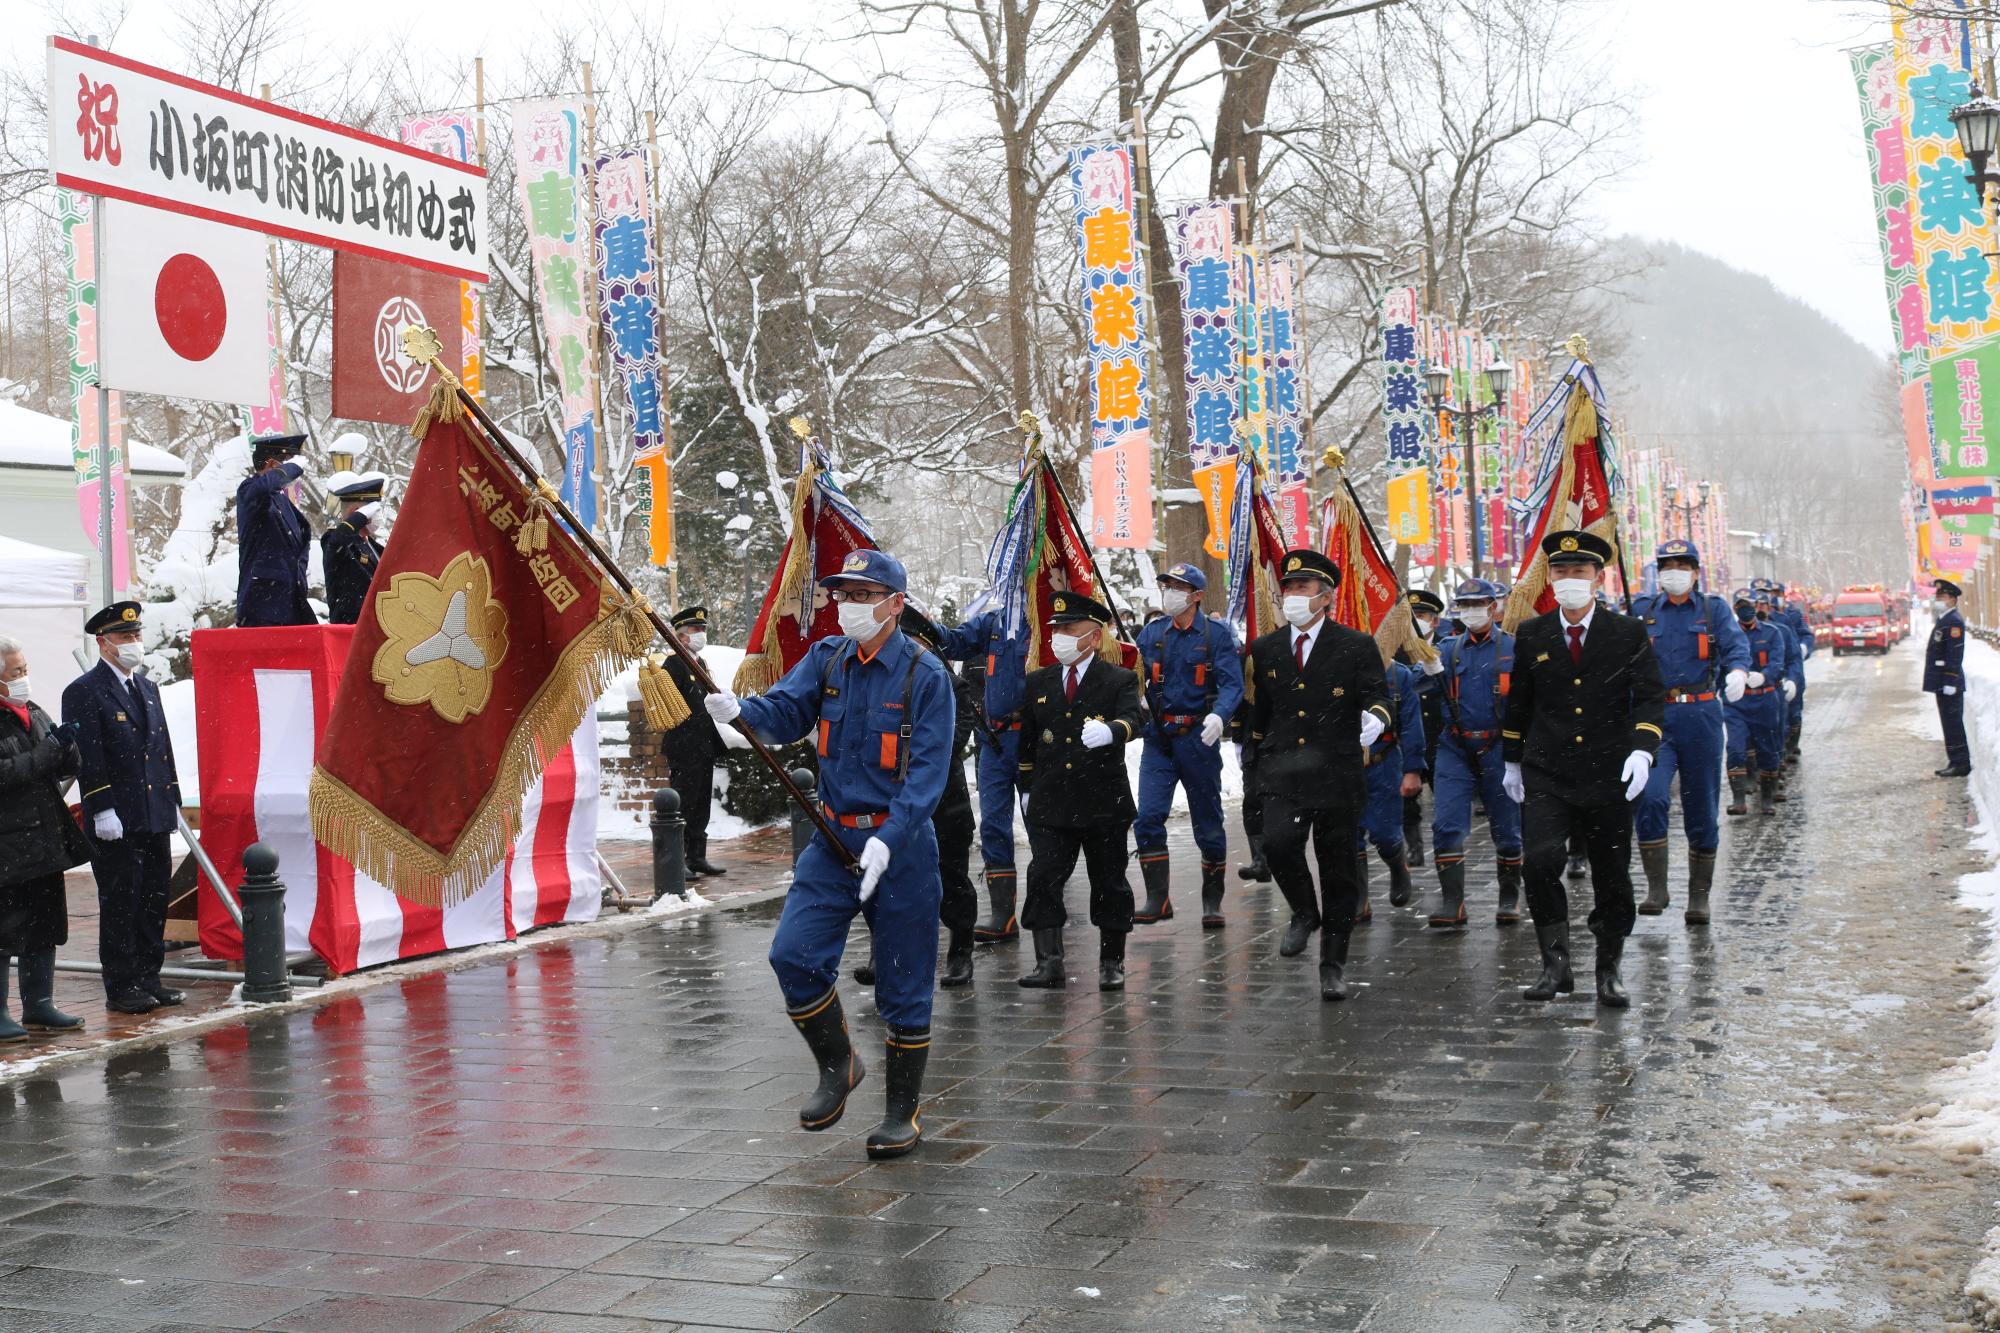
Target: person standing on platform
1756, 722
880, 709
272, 539
692, 748
349, 553
1079, 715
1318, 699
1393, 771
1944, 676
1478, 671
1584, 717
131, 798
39, 840
1002, 663
1699, 648
1427, 610
1192, 683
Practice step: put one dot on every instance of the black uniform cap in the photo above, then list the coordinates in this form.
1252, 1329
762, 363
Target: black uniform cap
1421, 599
117, 616
1576, 545
275, 446
919, 626
687, 617
1306, 562
1947, 587
1067, 608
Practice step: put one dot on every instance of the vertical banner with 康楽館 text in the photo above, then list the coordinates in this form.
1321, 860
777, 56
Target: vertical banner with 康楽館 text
1285, 422
1251, 395
80, 248
628, 301
548, 159
1121, 426
1203, 240
1406, 420
455, 134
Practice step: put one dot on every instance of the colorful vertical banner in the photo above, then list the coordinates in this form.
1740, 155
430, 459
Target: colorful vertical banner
1409, 503
548, 160
455, 134
1251, 395
1121, 425
1203, 240
1286, 422
1960, 384
1407, 422
80, 249
628, 303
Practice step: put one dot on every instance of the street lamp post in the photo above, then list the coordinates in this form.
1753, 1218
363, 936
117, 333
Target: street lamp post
1691, 508
1437, 383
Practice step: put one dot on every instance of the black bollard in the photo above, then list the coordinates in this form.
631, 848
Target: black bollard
802, 824
262, 895
669, 845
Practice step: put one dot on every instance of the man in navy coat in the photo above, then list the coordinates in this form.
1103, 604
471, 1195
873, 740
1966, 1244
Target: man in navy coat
131, 797
272, 539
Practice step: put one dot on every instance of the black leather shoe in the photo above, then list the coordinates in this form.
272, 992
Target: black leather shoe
1955, 771
1048, 973
164, 996
1297, 935
701, 865
131, 1002
957, 961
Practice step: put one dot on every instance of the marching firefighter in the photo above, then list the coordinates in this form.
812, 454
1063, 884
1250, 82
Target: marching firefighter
1001, 661
958, 909
1478, 673
1392, 772
1427, 611
1802, 630
1791, 679
1755, 722
349, 552
1192, 683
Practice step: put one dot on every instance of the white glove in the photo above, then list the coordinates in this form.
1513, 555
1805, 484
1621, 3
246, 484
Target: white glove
106, 826
1096, 735
1638, 767
1755, 680
1211, 728
1510, 782
1791, 688
732, 739
1434, 667
874, 860
1733, 685
722, 707
1942, 689
1371, 729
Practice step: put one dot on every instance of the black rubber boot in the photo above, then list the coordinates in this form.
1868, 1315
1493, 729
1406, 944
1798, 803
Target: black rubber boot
1297, 935
9, 1029
1400, 887
1701, 876
1111, 961
1739, 794
1332, 964
38, 989
1767, 793
864, 973
1556, 978
824, 1026
1610, 989
1001, 925
902, 1127
1154, 869
1048, 973
1451, 886
1211, 895
957, 961
1507, 911
1258, 869
1653, 859
1413, 830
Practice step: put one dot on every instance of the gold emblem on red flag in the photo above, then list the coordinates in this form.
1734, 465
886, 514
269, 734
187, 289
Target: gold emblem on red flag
443, 637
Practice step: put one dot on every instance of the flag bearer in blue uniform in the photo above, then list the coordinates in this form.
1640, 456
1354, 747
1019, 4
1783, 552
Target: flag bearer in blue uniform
1002, 661
1704, 662
1392, 771
1944, 676
1478, 672
1756, 722
1191, 678
1427, 611
881, 709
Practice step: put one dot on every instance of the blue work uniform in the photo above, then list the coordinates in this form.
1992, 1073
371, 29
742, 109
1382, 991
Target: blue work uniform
883, 728
1397, 751
1004, 659
1944, 665
1477, 674
272, 543
1757, 720
1802, 630
1185, 674
1698, 643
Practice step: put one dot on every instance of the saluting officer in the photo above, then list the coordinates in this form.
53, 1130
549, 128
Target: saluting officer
1944, 676
1427, 611
881, 709
1315, 689
1584, 716
1001, 660
1756, 722
1393, 769
1802, 630
131, 796
692, 748
349, 553
1478, 671
1192, 685
271, 538
1698, 645
1079, 716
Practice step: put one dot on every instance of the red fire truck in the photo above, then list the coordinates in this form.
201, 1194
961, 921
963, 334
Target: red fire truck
1861, 620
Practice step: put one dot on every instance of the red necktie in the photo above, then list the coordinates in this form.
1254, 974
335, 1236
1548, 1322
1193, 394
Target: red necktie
1299, 651
1576, 645
1069, 686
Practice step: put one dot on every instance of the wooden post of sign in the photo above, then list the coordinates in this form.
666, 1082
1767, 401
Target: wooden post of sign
595, 266
664, 493
277, 304
1142, 253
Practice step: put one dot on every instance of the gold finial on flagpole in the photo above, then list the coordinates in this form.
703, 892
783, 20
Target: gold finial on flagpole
1332, 458
1578, 346
800, 427
1030, 424
421, 344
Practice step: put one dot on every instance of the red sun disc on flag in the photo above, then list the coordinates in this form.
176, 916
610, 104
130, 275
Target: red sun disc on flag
188, 302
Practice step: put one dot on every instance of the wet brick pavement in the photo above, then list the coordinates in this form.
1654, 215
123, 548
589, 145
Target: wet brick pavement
601, 1134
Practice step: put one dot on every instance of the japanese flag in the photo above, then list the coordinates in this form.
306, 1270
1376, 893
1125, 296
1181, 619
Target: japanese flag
182, 306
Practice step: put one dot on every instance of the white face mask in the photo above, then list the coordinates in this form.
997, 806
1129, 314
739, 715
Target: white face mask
1067, 647
696, 642
1574, 594
17, 690
858, 622
1475, 617
1175, 600
1677, 582
1298, 610
1427, 625
1939, 605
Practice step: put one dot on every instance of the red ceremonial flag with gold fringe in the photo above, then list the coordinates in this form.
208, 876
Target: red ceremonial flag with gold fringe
1575, 492
486, 636
796, 610
1368, 598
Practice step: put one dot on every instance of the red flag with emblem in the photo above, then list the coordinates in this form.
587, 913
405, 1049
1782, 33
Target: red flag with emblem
1368, 598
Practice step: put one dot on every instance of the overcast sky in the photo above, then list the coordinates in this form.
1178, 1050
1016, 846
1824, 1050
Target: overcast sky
1749, 136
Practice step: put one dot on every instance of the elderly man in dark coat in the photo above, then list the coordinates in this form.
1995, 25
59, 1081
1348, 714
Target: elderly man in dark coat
38, 841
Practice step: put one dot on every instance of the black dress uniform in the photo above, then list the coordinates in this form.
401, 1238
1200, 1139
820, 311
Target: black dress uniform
1571, 725
1305, 726
1079, 799
1431, 698
953, 821
349, 553
128, 771
272, 541
691, 750
1944, 676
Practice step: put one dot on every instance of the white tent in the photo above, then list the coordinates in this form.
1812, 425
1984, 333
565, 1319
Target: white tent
44, 598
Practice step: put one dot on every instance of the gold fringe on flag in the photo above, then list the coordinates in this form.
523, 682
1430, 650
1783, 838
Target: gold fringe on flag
534, 533
666, 707
1579, 429
443, 405
764, 663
